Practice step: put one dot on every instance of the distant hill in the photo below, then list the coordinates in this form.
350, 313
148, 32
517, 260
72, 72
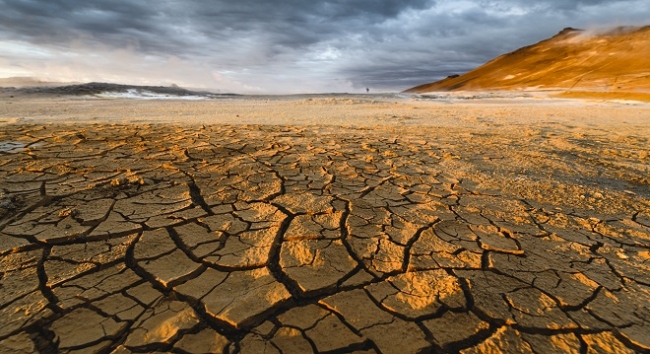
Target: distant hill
94, 88
112, 90
616, 60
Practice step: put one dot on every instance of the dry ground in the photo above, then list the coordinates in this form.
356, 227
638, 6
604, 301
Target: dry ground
351, 224
638, 96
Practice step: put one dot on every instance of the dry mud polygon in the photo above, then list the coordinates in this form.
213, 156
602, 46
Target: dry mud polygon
277, 239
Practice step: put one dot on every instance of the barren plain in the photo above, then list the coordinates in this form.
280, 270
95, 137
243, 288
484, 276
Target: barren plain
330, 224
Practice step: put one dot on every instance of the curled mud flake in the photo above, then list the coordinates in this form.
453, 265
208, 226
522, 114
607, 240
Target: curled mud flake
254, 343
570, 289
199, 241
330, 334
46, 226
10, 244
357, 308
144, 294
174, 218
379, 253
154, 203
291, 340
533, 309
616, 309
419, 294
304, 227
491, 239
329, 221
96, 327
605, 342
243, 298
153, 244
248, 249
163, 323
206, 341
637, 334
115, 224
60, 271
171, 269
24, 312
69, 261
587, 321
557, 343
360, 277
305, 203
315, 265
600, 272
453, 328
224, 222
487, 289
21, 343
120, 306
431, 251
397, 337
95, 285
15, 283
505, 339
625, 231
303, 317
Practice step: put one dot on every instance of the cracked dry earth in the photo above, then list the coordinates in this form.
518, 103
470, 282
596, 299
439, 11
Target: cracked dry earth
270, 239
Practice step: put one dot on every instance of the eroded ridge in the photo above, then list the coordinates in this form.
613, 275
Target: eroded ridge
252, 239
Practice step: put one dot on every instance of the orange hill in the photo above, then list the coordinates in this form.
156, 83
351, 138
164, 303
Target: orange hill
576, 60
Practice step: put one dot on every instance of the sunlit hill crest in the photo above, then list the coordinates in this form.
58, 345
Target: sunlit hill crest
612, 60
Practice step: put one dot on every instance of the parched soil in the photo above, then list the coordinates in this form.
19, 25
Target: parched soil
183, 238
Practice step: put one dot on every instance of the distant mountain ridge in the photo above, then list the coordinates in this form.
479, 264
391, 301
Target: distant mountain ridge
616, 60
98, 88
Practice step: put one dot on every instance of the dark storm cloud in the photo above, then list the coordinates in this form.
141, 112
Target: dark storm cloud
153, 24
390, 44
59, 21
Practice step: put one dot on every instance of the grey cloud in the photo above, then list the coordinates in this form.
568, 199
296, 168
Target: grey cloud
299, 22
389, 44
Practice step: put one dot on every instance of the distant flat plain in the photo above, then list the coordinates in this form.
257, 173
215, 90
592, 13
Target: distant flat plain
458, 109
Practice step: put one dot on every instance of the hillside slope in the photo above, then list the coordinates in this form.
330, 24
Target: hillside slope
613, 61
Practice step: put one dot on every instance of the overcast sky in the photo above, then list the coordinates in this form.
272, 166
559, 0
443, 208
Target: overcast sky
282, 46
